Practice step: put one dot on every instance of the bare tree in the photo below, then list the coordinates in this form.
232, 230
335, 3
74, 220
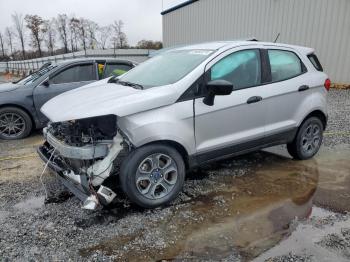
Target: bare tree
9, 36
50, 35
19, 26
92, 27
37, 27
2, 45
119, 38
83, 33
149, 44
103, 35
62, 28
74, 27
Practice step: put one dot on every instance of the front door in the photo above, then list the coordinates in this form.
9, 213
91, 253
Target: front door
235, 122
69, 78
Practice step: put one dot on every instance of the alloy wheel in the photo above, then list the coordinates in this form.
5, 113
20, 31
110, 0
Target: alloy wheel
311, 138
156, 176
12, 125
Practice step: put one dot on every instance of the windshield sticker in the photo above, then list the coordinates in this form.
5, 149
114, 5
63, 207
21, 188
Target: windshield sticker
201, 52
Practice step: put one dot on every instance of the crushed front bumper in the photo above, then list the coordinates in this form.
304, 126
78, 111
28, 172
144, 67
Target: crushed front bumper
80, 190
84, 153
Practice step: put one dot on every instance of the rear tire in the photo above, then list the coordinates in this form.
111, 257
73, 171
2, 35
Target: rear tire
152, 175
14, 123
308, 139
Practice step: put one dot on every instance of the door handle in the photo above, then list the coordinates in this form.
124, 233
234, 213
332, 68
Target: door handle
303, 88
254, 99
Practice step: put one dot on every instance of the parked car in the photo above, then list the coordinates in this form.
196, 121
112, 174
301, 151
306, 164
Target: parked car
20, 102
180, 109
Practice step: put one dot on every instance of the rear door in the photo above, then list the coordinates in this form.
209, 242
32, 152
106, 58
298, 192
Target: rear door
70, 77
235, 122
285, 94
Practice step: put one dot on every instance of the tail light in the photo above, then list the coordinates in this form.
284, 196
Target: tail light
327, 84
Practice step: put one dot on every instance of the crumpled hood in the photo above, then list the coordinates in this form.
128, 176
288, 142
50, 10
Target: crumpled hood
8, 87
102, 98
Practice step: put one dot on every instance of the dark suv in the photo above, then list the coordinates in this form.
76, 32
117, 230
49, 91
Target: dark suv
20, 102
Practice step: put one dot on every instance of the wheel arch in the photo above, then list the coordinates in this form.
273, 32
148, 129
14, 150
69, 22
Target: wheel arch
177, 146
319, 114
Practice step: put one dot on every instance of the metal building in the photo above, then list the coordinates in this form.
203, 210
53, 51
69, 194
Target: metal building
321, 24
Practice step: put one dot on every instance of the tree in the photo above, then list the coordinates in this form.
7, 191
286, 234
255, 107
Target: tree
9, 36
2, 45
62, 29
50, 35
37, 27
119, 38
103, 35
83, 32
19, 26
149, 44
74, 27
92, 27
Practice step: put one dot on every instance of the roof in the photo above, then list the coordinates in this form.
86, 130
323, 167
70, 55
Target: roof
231, 44
178, 6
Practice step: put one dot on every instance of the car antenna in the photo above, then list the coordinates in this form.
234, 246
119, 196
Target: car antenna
278, 35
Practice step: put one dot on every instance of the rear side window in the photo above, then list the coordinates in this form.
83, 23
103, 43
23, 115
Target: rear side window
75, 73
241, 68
284, 65
115, 69
316, 63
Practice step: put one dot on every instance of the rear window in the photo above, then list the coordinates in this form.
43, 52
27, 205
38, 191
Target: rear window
314, 60
284, 65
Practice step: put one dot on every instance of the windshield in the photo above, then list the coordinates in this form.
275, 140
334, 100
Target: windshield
35, 76
166, 68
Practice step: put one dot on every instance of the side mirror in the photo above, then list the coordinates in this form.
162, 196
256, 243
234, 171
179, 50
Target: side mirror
46, 83
217, 88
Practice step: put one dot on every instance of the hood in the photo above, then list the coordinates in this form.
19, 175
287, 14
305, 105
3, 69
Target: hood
8, 87
100, 99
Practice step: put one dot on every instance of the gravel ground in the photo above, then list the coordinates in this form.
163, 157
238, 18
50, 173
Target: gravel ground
250, 207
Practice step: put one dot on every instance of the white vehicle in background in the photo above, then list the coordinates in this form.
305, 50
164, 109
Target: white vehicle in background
180, 109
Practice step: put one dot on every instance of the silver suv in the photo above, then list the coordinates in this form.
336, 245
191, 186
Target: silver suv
180, 109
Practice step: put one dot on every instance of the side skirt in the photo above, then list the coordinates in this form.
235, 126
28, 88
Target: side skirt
242, 148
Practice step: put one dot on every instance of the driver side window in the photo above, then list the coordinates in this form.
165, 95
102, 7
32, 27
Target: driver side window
77, 73
242, 69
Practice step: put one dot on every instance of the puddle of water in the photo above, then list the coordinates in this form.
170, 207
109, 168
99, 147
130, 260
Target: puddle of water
308, 239
30, 204
248, 214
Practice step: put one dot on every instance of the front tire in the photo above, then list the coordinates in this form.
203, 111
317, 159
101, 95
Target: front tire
308, 139
152, 175
14, 123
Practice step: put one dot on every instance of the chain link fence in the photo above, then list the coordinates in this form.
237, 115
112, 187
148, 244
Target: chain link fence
24, 67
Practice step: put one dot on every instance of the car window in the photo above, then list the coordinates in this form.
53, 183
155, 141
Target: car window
166, 68
316, 63
36, 75
242, 69
113, 69
75, 73
284, 65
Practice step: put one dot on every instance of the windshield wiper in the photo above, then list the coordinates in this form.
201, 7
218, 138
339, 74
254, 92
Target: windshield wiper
126, 83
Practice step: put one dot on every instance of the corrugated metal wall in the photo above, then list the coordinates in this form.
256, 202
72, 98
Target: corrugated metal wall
321, 24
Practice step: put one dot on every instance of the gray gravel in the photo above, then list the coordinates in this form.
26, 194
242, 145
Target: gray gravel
339, 118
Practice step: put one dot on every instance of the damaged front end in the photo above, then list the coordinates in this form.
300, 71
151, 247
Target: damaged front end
83, 153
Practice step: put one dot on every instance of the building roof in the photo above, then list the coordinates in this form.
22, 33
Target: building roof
178, 6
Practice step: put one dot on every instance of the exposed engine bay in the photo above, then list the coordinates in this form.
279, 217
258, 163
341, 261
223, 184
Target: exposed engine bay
83, 152
85, 131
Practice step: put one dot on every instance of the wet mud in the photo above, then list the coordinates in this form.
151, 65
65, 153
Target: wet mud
242, 215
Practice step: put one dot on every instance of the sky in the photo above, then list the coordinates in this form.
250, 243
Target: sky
142, 18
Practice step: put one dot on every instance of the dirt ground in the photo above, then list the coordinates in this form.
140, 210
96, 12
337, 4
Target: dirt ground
262, 206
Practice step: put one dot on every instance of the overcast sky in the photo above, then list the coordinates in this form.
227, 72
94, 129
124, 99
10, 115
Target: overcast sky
141, 17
